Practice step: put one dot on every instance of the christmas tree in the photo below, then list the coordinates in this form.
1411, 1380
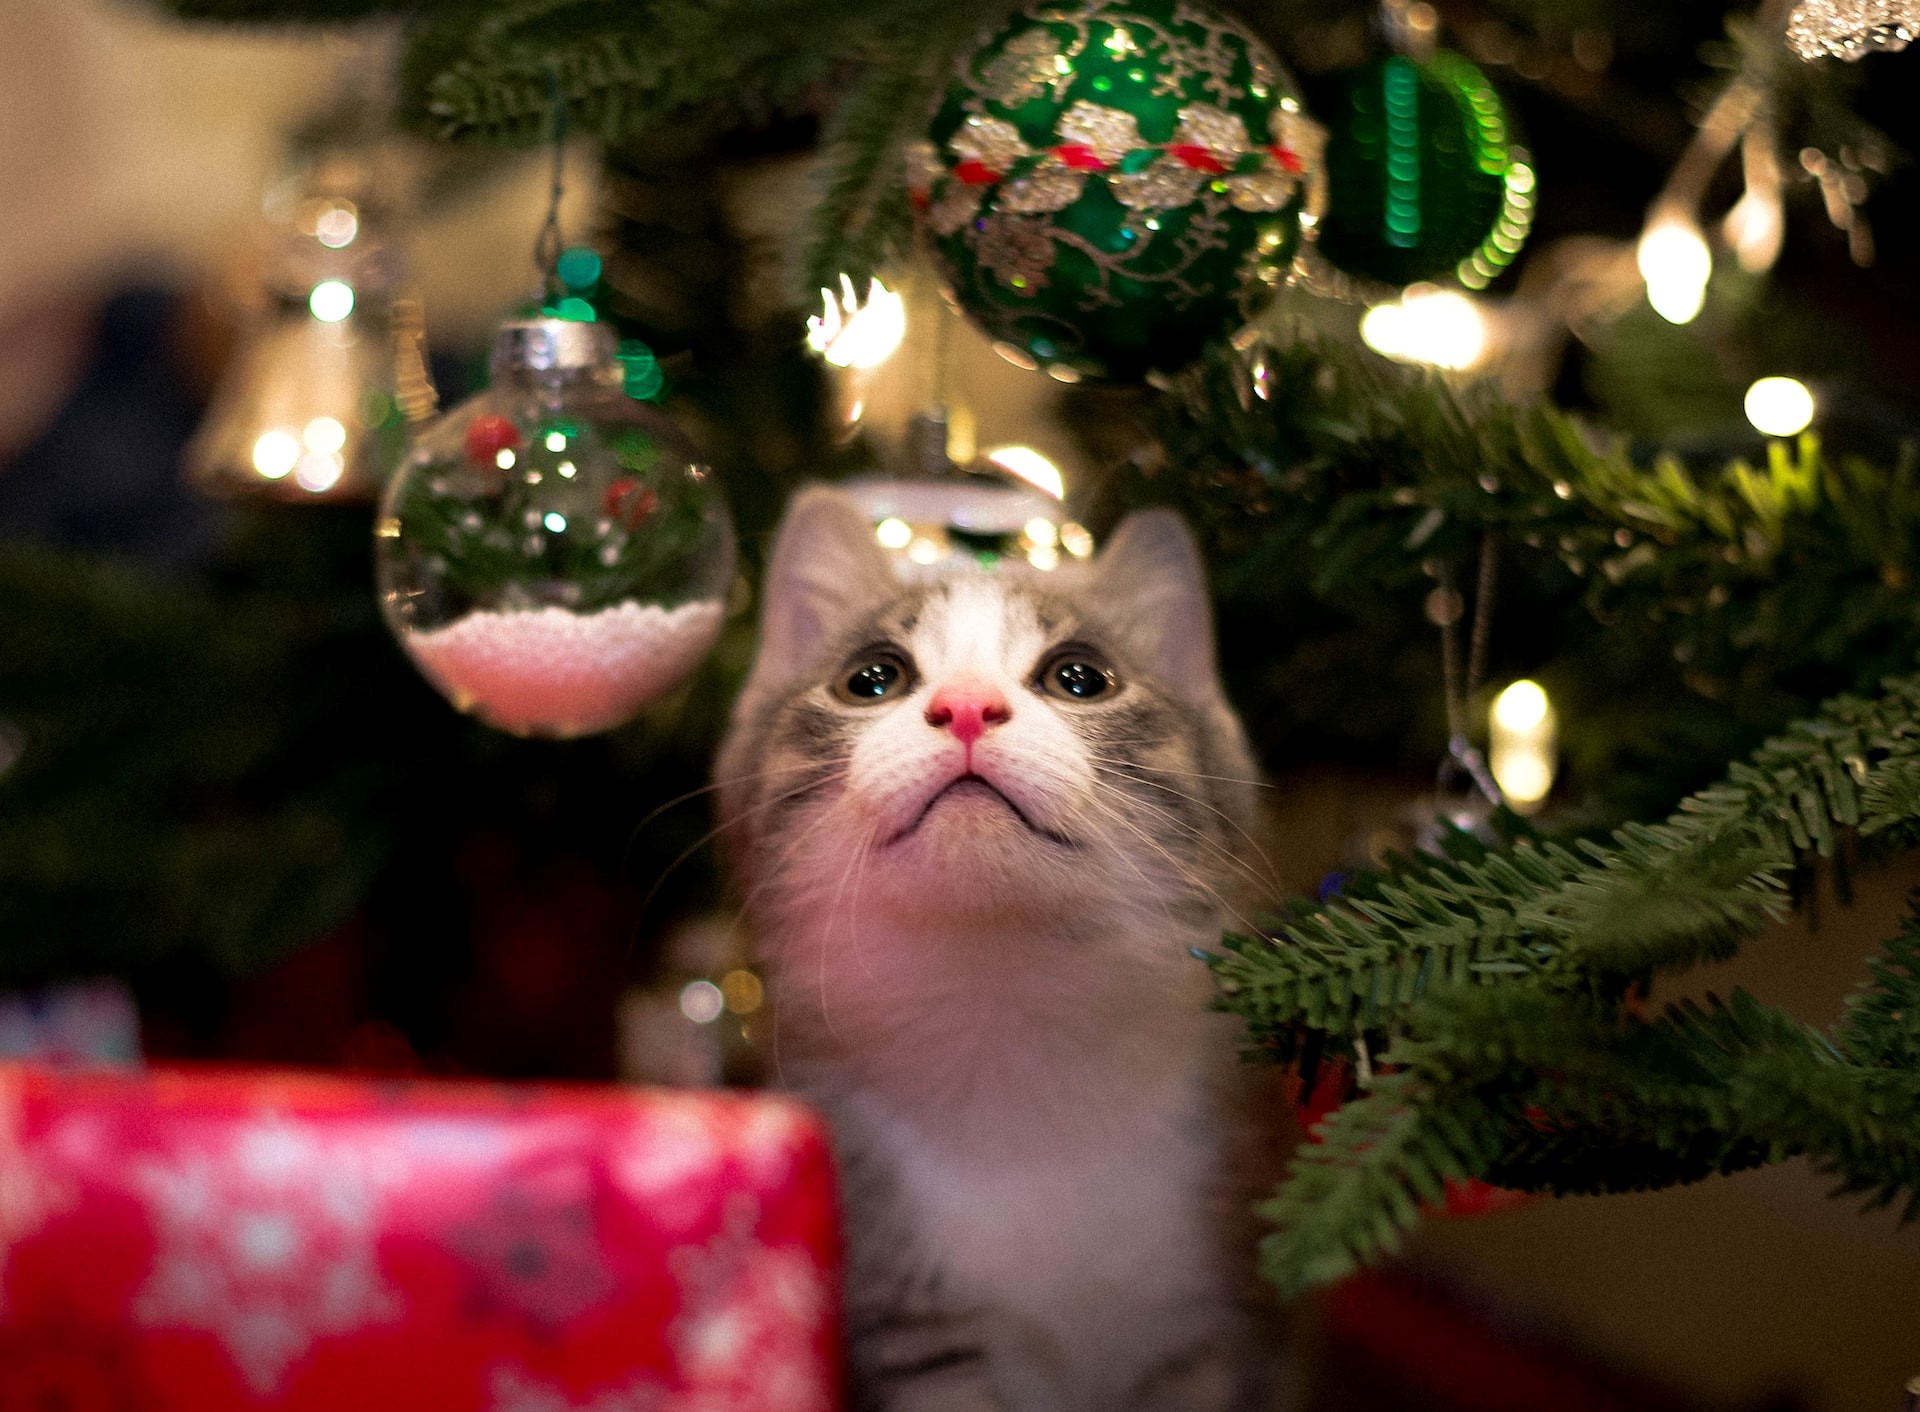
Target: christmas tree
1721, 609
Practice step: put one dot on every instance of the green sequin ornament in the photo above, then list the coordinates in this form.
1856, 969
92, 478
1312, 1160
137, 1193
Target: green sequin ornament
1423, 178
1107, 186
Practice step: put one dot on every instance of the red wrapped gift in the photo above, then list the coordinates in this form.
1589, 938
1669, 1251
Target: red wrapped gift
191, 1242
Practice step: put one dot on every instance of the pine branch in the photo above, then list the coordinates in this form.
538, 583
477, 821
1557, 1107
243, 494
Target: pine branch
1349, 1198
862, 218
1657, 897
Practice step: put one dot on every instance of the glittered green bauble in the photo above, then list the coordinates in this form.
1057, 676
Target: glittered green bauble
1108, 186
1423, 180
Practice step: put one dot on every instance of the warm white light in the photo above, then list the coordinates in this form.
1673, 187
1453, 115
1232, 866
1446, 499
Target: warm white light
336, 227
331, 300
1521, 707
702, 1002
1044, 557
274, 454
504, 460
555, 521
1043, 532
1780, 406
556, 441
1756, 228
1076, 540
853, 334
1441, 328
1522, 738
1031, 467
923, 552
319, 471
567, 470
1676, 264
1525, 778
324, 434
893, 534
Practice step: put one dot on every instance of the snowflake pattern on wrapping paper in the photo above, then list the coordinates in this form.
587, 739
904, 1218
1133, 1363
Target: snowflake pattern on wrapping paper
28, 1194
268, 1244
752, 1316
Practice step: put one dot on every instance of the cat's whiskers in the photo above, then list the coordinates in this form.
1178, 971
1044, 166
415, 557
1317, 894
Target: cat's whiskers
1187, 774
751, 776
740, 817
1192, 878
1130, 769
1267, 881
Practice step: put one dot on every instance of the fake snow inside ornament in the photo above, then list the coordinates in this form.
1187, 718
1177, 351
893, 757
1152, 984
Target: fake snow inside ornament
551, 555
1109, 186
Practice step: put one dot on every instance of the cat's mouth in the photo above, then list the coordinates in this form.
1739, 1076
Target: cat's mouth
962, 787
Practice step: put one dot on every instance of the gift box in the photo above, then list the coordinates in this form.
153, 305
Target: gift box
200, 1241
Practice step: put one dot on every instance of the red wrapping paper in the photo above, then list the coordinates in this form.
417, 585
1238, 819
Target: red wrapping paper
192, 1242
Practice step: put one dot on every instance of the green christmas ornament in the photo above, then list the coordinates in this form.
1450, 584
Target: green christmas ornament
1423, 179
1108, 185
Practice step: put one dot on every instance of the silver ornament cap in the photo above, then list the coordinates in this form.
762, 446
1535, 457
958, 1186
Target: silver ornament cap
539, 346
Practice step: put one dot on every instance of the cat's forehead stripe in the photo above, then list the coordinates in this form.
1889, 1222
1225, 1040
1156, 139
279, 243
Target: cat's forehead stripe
983, 623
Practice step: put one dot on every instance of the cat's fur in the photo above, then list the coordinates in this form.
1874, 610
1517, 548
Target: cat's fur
993, 999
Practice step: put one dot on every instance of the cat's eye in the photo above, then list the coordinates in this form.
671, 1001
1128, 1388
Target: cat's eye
875, 676
1076, 676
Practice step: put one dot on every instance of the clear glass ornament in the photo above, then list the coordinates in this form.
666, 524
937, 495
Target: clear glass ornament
552, 554
316, 403
945, 519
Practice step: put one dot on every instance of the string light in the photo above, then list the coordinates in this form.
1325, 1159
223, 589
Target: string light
331, 300
1441, 328
275, 453
1780, 406
1522, 741
1676, 264
856, 334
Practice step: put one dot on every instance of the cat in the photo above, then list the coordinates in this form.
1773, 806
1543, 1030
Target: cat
981, 823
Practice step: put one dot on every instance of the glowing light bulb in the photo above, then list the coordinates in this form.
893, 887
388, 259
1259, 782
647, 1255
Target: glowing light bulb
1031, 467
1521, 706
1522, 738
504, 459
556, 441
555, 522
324, 434
1676, 264
319, 471
1043, 532
1780, 406
337, 226
1441, 328
1076, 540
331, 300
855, 334
893, 533
702, 1002
275, 453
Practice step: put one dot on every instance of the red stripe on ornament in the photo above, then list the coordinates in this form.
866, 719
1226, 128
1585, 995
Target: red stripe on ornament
1289, 159
975, 173
1200, 159
1080, 157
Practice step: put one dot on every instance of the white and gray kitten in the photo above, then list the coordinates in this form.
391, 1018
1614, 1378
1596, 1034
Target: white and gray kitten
981, 823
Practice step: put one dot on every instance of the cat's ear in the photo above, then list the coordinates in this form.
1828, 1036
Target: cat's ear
826, 572
1148, 579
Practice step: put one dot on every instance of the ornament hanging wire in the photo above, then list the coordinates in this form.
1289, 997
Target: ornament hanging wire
1464, 758
548, 245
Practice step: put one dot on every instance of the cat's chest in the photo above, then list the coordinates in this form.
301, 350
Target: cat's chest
1094, 1234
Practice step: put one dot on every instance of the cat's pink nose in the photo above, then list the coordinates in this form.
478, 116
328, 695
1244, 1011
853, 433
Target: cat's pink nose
967, 707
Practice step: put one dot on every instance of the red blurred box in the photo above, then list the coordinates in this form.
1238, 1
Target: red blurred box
186, 1241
